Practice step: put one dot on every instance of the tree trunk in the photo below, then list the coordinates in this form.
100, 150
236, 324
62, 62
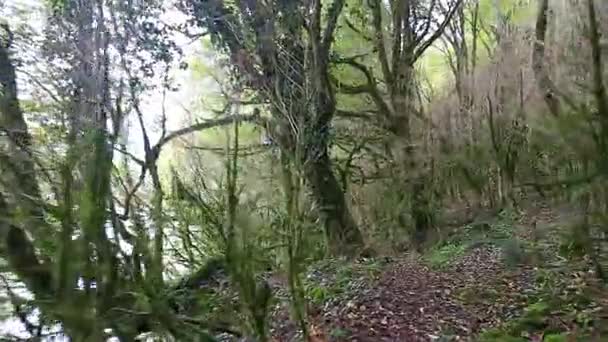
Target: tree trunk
343, 235
543, 81
412, 168
19, 167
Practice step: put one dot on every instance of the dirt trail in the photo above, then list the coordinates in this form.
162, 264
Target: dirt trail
411, 302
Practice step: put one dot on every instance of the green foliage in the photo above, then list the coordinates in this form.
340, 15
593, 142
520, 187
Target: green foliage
254, 292
537, 310
318, 294
208, 218
56, 4
532, 321
331, 280
498, 233
558, 298
573, 243
555, 338
442, 256
339, 333
499, 336
513, 252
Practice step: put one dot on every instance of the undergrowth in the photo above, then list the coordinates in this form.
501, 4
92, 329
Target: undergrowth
545, 320
441, 256
566, 302
498, 233
330, 280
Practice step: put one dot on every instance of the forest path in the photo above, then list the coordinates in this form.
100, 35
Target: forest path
410, 301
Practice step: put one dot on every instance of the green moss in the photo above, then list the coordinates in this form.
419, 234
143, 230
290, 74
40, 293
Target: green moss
338, 275
555, 338
339, 333
442, 256
498, 335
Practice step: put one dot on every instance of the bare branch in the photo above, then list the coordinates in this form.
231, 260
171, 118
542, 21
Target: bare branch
379, 41
206, 125
346, 114
355, 29
130, 155
428, 21
423, 46
371, 87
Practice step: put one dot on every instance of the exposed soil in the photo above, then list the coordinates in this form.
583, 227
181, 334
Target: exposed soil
412, 302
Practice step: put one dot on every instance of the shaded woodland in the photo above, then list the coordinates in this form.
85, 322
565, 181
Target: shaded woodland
328, 170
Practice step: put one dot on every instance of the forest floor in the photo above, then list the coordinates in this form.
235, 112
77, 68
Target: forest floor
485, 276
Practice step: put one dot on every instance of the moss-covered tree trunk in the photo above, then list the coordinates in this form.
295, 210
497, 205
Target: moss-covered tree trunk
341, 230
412, 168
16, 247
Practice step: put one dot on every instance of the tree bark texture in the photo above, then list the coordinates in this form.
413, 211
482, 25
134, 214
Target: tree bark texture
344, 238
